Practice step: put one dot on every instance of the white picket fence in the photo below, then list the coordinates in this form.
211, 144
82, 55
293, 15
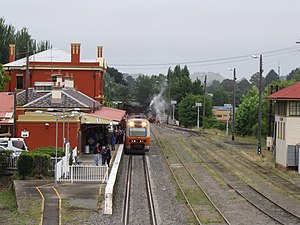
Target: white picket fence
79, 173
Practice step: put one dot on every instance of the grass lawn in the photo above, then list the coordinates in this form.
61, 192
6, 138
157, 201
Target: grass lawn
9, 213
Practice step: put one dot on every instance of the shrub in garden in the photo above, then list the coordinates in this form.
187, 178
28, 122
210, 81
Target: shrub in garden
50, 150
41, 163
25, 164
4, 160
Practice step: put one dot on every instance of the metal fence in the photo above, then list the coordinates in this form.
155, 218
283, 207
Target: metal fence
82, 173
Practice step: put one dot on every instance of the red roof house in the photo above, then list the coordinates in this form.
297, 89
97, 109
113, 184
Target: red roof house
88, 74
287, 125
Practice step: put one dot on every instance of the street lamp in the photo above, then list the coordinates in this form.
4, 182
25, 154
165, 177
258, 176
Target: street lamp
233, 105
259, 104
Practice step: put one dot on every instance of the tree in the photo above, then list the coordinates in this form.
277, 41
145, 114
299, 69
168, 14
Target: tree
214, 86
118, 76
271, 76
8, 35
227, 85
254, 80
188, 112
294, 75
247, 113
244, 86
144, 90
114, 91
197, 87
3, 79
221, 97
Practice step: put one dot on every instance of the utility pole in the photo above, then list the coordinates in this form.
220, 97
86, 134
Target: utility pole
27, 73
203, 118
259, 106
233, 105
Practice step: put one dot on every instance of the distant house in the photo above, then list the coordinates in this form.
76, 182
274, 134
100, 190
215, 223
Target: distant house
287, 125
6, 114
88, 74
222, 113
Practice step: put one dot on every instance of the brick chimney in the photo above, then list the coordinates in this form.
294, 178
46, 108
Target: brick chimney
57, 78
75, 53
100, 59
12, 52
69, 82
99, 51
56, 94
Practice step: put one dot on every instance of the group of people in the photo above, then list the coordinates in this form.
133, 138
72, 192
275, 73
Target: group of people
105, 153
103, 146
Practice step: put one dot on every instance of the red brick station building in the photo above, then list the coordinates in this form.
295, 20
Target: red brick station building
64, 98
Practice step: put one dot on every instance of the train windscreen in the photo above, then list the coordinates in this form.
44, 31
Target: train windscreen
137, 132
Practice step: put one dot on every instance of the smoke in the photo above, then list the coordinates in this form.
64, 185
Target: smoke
158, 104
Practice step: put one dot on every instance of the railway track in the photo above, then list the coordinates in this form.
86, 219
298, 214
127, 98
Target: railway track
176, 166
272, 177
145, 211
253, 196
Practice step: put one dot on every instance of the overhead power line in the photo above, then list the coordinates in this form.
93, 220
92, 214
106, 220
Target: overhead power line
216, 61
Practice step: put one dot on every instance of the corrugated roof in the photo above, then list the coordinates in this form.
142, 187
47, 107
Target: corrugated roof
7, 104
110, 113
290, 92
50, 55
71, 98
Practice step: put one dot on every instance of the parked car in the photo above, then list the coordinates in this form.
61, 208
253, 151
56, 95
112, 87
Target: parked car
15, 144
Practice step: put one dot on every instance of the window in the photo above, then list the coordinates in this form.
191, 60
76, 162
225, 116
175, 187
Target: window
281, 108
294, 108
20, 82
137, 132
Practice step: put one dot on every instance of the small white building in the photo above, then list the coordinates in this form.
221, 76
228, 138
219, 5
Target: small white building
287, 126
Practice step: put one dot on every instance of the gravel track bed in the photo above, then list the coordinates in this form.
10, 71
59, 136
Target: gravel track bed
236, 209
168, 210
259, 181
138, 208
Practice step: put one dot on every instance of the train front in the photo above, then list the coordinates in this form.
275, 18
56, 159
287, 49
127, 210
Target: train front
137, 139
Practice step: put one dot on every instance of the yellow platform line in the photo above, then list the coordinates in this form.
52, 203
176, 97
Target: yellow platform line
59, 205
43, 205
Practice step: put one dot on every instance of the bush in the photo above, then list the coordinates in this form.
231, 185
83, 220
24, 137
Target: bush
49, 150
41, 164
25, 164
4, 159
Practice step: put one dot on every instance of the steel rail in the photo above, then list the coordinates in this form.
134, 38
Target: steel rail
127, 193
230, 183
177, 182
149, 192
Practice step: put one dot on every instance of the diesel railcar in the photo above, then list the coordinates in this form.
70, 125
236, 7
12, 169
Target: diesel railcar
137, 136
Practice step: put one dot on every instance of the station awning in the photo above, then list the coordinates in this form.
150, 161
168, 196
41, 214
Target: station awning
105, 115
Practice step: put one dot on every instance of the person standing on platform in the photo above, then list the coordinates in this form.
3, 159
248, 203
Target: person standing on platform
113, 141
108, 155
96, 154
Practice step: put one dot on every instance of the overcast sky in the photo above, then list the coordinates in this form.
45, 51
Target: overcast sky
140, 33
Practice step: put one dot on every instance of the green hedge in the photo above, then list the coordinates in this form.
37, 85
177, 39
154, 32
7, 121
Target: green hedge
41, 164
50, 150
4, 160
25, 164
33, 164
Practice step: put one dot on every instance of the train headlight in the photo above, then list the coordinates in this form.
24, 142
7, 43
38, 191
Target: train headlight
144, 124
131, 123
